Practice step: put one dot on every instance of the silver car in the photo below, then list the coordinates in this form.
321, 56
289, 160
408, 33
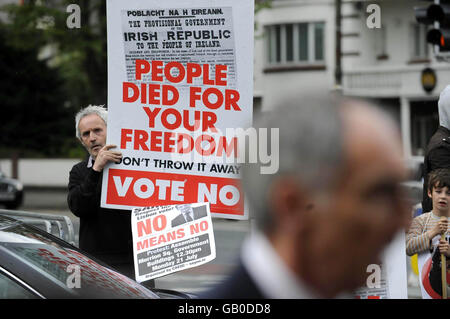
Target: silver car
36, 264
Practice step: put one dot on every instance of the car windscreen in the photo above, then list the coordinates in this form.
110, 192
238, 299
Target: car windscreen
68, 266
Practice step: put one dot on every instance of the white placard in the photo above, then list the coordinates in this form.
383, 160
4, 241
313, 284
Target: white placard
393, 274
180, 80
168, 239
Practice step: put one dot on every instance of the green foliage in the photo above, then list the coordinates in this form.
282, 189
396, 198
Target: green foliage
32, 111
260, 5
41, 96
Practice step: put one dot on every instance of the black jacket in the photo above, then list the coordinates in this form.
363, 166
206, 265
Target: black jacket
437, 156
104, 233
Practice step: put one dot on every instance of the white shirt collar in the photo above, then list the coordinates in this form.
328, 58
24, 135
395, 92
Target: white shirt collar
270, 274
89, 163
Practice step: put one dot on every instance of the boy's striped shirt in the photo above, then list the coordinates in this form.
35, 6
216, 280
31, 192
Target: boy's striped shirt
416, 239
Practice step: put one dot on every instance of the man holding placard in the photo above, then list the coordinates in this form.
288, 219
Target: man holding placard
104, 233
188, 214
329, 211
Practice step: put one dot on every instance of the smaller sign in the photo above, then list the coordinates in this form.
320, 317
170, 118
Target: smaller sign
428, 79
168, 239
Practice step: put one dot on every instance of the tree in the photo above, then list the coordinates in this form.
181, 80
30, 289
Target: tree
32, 112
79, 54
78, 61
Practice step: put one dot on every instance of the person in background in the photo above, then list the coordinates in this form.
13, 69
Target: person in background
437, 153
426, 230
329, 211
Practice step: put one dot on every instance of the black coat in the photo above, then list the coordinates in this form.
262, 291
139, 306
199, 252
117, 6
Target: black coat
437, 156
104, 233
239, 285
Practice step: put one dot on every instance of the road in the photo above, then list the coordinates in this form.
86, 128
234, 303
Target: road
229, 235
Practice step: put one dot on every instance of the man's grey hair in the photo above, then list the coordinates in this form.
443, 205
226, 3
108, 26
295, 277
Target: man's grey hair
100, 110
444, 107
310, 150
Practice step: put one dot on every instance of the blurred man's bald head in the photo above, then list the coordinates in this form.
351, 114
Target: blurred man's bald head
335, 202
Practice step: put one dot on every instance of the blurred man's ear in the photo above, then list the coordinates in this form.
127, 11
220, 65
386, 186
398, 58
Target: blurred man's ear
310, 206
288, 200
429, 193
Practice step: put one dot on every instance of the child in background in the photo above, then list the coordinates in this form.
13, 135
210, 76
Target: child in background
426, 229
428, 225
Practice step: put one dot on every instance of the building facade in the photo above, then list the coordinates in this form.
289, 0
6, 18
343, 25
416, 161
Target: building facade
383, 53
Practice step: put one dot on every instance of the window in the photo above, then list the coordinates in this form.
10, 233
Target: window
298, 43
12, 290
51, 260
380, 43
419, 46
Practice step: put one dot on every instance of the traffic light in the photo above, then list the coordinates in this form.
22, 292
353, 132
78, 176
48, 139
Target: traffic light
438, 15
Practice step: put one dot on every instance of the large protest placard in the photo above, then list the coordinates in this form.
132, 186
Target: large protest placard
168, 239
180, 76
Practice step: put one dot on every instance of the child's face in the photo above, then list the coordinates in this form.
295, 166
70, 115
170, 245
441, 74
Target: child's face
440, 196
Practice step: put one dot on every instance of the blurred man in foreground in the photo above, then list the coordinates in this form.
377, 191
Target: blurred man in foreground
437, 154
329, 211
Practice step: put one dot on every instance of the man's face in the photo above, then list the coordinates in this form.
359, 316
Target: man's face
184, 209
93, 133
440, 196
360, 216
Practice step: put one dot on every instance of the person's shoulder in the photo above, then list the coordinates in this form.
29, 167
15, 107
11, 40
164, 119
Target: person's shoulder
80, 167
178, 220
201, 210
81, 164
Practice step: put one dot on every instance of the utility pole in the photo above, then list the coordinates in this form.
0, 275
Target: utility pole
15, 164
338, 39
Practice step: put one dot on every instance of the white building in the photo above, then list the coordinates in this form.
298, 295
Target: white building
295, 53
